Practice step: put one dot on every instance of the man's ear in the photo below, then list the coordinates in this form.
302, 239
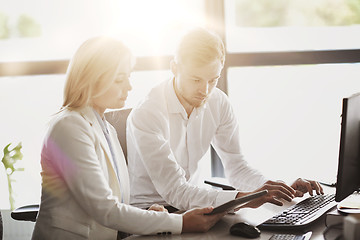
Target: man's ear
173, 67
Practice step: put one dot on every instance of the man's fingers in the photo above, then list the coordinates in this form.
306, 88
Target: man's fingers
290, 189
317, 187
275, 201
309, 188
280, 195
299, 193
281, 191
158, 208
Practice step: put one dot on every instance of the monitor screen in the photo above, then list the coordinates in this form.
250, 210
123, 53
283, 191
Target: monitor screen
348, 176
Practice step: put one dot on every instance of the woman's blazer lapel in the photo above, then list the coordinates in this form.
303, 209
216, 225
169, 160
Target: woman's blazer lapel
89, 115
121, 163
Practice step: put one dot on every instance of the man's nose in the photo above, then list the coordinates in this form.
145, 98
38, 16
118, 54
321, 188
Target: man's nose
129, 87
204, 88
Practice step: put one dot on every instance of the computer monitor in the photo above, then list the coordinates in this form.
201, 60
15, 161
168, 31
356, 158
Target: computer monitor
348, 175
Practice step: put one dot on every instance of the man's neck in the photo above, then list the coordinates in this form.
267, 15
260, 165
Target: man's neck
187, 106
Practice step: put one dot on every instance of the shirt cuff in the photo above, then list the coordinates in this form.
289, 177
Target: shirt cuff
176, 223
225, 196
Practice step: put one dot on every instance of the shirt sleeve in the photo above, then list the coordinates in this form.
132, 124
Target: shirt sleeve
69, 154
149, 134
226, 143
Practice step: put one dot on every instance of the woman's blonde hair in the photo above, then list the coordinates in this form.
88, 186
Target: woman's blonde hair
93, 69
200, 47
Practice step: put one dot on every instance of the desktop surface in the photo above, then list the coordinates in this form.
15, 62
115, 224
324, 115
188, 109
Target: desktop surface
253, 217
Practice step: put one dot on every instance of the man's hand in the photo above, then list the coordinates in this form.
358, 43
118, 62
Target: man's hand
157, 208
303, 186
277, 190
195, 221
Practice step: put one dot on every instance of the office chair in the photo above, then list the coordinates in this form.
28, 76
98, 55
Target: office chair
116, 118
1, 227
26, 213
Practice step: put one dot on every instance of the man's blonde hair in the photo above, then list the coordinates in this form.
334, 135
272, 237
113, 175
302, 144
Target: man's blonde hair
93, 69
200, 47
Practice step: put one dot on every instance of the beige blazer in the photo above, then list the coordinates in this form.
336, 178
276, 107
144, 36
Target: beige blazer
80, 190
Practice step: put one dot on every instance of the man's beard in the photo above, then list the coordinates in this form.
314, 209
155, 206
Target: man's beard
194, 103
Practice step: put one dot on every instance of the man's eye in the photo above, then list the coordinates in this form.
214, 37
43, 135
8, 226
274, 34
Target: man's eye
213, 81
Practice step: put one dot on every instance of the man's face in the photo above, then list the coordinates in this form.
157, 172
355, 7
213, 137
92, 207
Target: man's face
193, 85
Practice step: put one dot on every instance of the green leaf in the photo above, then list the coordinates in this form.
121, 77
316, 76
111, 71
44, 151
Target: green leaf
9, 160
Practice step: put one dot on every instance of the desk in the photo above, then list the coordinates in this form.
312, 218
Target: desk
252, 216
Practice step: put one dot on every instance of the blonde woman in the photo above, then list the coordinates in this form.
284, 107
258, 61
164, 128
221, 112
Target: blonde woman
85, 182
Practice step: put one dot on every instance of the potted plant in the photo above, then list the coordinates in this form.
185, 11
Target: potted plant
11, 156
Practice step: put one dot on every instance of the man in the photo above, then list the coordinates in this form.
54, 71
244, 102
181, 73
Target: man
172, 128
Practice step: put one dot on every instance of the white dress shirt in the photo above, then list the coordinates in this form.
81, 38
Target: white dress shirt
165, 146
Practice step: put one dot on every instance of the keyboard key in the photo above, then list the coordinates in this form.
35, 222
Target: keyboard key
301, 214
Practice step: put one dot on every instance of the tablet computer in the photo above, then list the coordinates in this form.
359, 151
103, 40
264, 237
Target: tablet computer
232, 204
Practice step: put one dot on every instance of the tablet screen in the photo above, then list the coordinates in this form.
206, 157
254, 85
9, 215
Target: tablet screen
232, 204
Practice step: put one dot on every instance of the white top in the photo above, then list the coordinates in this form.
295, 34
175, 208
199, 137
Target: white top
165, 146
80, 189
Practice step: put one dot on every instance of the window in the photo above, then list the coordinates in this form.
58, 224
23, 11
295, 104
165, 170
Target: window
280, 25
37, 39
293, 114
285, 84
49, 30
305, 52
26, 105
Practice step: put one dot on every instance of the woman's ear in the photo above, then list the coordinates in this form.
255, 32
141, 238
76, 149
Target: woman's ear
173, 67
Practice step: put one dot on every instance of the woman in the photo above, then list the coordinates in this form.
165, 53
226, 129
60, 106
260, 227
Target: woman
85, 183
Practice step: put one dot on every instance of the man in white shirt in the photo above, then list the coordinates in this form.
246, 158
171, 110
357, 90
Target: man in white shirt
172, 128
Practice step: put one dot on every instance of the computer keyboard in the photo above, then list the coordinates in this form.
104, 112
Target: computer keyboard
301, 214
281, 236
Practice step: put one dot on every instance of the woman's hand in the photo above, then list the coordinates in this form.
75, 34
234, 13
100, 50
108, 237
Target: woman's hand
195, 221
157, 208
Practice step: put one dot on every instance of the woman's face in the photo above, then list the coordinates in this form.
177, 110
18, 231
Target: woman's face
116, 94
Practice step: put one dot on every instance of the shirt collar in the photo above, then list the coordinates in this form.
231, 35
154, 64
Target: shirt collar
101, 121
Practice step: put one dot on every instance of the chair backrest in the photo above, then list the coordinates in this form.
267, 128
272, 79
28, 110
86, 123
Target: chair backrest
118, 119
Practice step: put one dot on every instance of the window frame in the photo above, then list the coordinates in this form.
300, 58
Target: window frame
215, 13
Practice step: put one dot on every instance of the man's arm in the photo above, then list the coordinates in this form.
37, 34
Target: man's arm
226, 143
